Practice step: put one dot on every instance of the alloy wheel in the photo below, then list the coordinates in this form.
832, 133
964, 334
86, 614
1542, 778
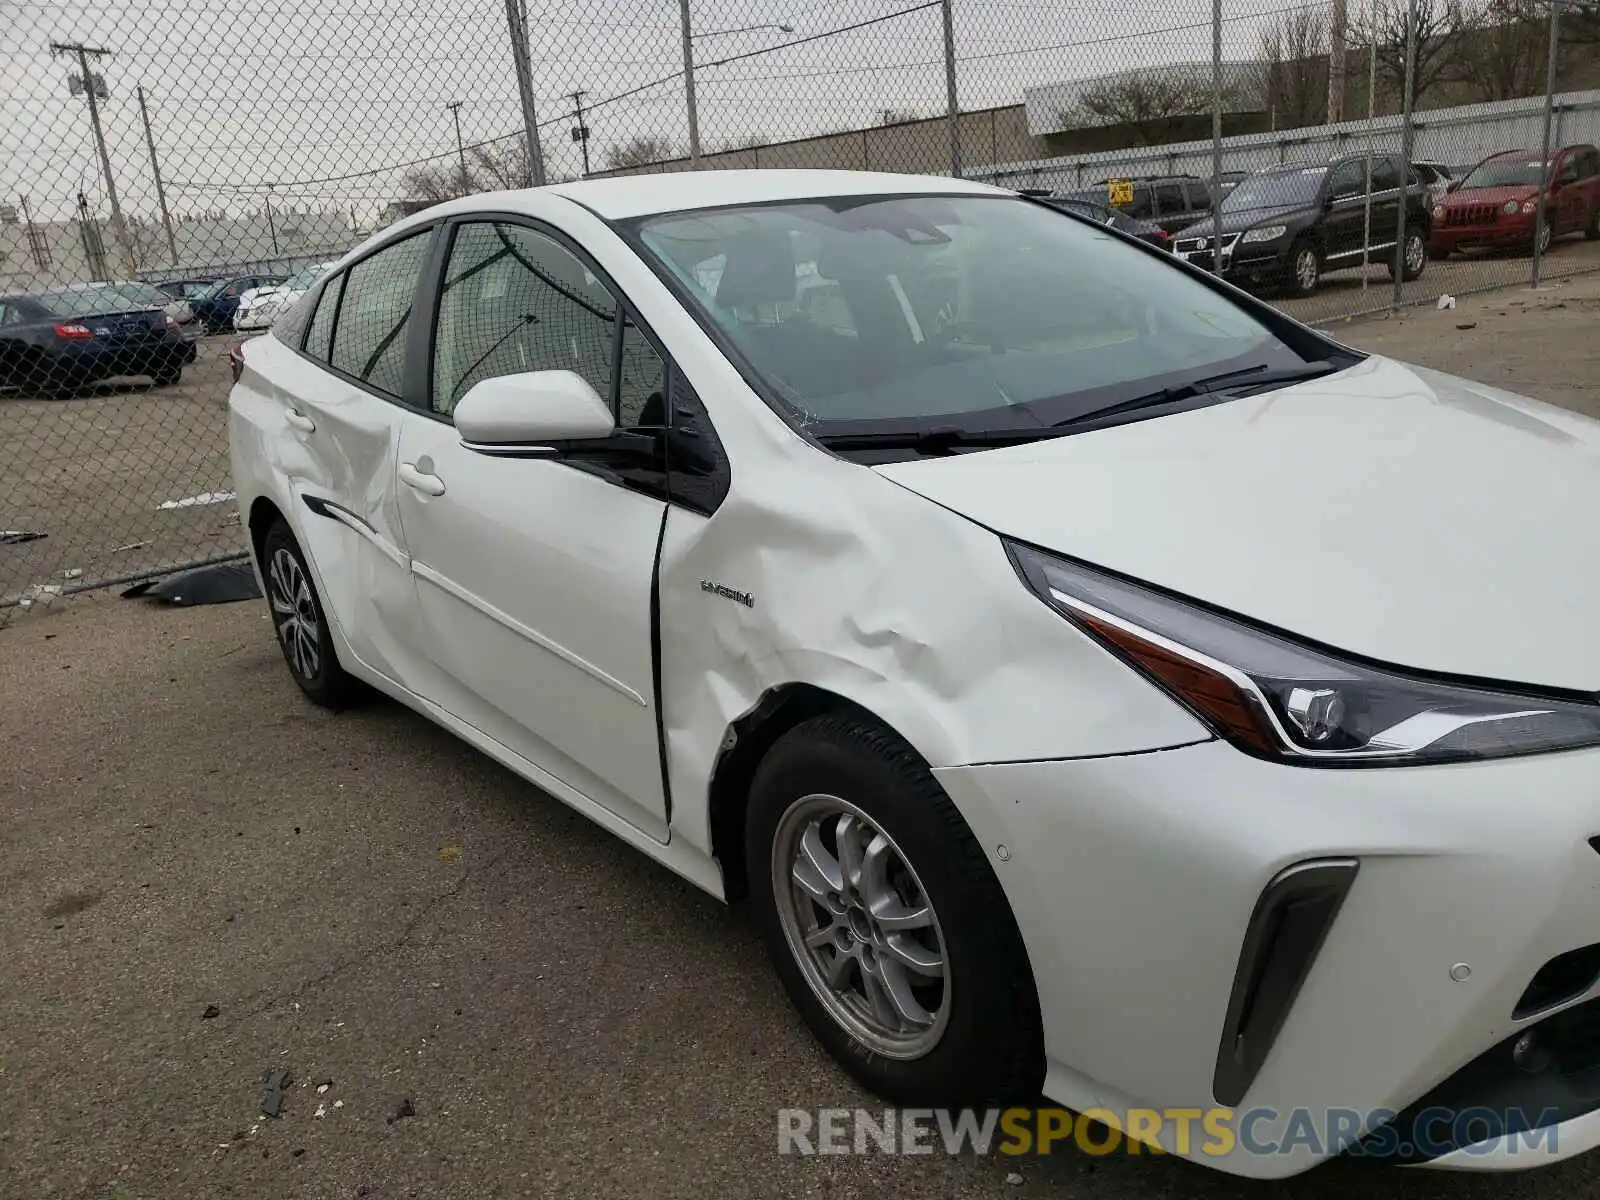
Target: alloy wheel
1544, 239
1416, 254
294, 612
861, 927
1305, 268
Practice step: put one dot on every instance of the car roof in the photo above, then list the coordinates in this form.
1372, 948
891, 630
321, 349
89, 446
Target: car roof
628, 196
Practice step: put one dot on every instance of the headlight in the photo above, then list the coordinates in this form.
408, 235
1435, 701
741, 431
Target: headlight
1512, 206
1438, 212
1267, 233
1530, 206
1292, 702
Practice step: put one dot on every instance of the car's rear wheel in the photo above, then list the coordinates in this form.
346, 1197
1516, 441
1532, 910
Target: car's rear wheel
1415, 259
300, 622
168, 375
886, 922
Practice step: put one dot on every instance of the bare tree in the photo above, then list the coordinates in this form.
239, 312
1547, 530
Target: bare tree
1442, 27
490, 167
1504, 53
1293, 53
641, 150
1144, 100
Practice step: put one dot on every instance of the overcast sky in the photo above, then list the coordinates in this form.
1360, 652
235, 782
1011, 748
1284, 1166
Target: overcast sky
296, 92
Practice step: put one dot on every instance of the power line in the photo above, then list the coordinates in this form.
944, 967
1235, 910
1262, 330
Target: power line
608, 101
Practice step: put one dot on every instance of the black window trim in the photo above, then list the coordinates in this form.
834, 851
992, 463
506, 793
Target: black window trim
431, 229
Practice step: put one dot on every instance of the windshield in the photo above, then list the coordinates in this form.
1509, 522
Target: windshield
1506, 172
993, 310
1281, 189
102, 298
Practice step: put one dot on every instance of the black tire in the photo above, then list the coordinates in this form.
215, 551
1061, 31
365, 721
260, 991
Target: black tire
1301, 280
168, 376
1591, 231
990, 1047
1415, 260
327, 684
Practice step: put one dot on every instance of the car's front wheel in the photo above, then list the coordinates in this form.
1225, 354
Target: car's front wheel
300, 622
1305, 270
886, 922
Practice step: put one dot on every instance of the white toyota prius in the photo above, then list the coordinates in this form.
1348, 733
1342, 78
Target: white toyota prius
1099, 684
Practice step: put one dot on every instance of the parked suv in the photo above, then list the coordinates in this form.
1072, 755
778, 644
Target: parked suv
1164, 202
1287, 227
1497, 205
1084, 205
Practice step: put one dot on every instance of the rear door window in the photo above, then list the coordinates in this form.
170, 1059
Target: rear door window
1170, 200
369, 339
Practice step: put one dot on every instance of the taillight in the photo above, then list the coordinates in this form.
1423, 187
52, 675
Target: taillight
74, 331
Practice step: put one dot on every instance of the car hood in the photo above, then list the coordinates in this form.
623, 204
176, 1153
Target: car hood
1464, 197
256, 295
1387, 510
1249, 218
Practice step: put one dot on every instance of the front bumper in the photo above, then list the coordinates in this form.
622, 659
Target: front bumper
1133, 880
1507, 233
1244, 262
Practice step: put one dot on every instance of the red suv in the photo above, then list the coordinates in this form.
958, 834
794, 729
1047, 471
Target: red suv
1496, 205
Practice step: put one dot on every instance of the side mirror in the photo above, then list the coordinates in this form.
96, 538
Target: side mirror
531, 408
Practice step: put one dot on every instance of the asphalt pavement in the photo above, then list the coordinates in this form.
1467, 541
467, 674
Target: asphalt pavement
504, 1000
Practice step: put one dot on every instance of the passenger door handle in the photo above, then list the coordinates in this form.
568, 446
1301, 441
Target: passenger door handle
300, 421
428, 485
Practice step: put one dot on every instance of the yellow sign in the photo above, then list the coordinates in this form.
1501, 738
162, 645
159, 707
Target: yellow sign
1119, 193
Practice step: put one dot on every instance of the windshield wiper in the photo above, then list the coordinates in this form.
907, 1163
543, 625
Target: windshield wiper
938, 439
1250, 377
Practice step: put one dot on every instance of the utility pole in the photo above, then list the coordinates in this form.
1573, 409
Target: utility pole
952, 103
155, 169
94, 252
1549, 115
1407, 136
517, 23
36, 243
1338, 33
688, 85
580, 133
272, 225
94, 89
461, 154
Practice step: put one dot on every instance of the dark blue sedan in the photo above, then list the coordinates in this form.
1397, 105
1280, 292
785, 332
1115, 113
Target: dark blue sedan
215, 306
52, 343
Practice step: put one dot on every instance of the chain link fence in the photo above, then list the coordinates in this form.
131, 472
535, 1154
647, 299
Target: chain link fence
173, 172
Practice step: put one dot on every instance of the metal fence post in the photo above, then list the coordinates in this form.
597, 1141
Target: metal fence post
1544, 158
1408, 87
952, 105
688, 85
517, 24
1216, 137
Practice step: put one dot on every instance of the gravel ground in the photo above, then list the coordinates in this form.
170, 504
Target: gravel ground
364, 899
